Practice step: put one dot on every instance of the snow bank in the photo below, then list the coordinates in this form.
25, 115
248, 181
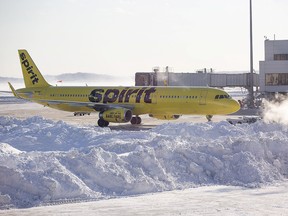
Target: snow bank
45, 161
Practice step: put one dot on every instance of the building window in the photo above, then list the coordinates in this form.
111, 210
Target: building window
279, 57
273, 79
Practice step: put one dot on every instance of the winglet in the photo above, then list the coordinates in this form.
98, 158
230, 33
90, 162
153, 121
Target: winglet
13, 90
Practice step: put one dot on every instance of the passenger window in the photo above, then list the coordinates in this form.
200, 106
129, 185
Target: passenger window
217, 97
221, 97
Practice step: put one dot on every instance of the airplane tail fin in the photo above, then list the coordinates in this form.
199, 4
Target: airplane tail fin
31, 74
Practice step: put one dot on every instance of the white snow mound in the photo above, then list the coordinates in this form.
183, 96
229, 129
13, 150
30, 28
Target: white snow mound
7, 149
47, 161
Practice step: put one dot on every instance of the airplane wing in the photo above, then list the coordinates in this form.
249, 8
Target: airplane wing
99, 107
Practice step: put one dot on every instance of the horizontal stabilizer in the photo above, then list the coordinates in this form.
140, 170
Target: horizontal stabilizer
13, 90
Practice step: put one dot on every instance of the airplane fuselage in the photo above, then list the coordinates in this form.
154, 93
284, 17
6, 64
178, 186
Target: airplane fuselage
145, 100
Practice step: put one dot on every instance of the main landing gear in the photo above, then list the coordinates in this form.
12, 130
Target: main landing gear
136, 120
102, 123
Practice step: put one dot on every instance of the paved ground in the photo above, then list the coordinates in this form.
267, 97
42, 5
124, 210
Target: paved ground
28, 109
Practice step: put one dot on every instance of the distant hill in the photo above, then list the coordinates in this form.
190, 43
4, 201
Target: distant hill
10, 79
81, 76
72, 77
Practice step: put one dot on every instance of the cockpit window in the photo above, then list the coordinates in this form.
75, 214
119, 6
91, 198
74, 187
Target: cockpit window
222, 96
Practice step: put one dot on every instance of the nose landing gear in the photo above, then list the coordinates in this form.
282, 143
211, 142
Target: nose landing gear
102, 123
209, 117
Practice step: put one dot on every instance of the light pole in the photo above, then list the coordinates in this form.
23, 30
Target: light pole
251, 90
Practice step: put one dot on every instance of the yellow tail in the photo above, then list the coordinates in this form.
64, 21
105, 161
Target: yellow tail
31, 74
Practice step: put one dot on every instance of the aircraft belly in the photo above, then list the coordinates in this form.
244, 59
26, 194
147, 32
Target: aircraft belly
183, 108
172, 108
141, 109
68, 108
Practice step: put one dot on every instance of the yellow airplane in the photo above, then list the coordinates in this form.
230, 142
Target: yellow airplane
123, 104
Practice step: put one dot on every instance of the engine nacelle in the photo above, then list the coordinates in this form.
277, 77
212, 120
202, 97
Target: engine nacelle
116, 115
165, 117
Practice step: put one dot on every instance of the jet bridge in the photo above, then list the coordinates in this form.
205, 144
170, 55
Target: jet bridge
219, 80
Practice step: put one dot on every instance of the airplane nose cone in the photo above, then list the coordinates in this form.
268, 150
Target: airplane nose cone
235, 106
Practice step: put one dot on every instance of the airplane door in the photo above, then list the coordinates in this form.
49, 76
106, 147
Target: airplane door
154, 97
203, 95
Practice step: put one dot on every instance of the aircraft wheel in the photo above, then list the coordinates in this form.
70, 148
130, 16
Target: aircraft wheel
209, 117
133, 120
139, 120
102, 123
136, 120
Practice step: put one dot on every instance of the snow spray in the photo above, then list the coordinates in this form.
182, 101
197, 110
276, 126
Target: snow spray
276, 110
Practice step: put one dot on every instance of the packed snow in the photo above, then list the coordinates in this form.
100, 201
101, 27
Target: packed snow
44, 161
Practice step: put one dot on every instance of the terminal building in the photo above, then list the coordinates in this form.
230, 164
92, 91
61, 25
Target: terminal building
273, 71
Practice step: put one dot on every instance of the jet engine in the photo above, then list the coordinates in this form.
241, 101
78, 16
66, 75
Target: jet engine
165, 117
116, 115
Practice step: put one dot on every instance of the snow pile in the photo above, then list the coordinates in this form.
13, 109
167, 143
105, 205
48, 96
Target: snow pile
44, 161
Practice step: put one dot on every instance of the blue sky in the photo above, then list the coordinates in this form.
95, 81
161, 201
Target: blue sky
121, 37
